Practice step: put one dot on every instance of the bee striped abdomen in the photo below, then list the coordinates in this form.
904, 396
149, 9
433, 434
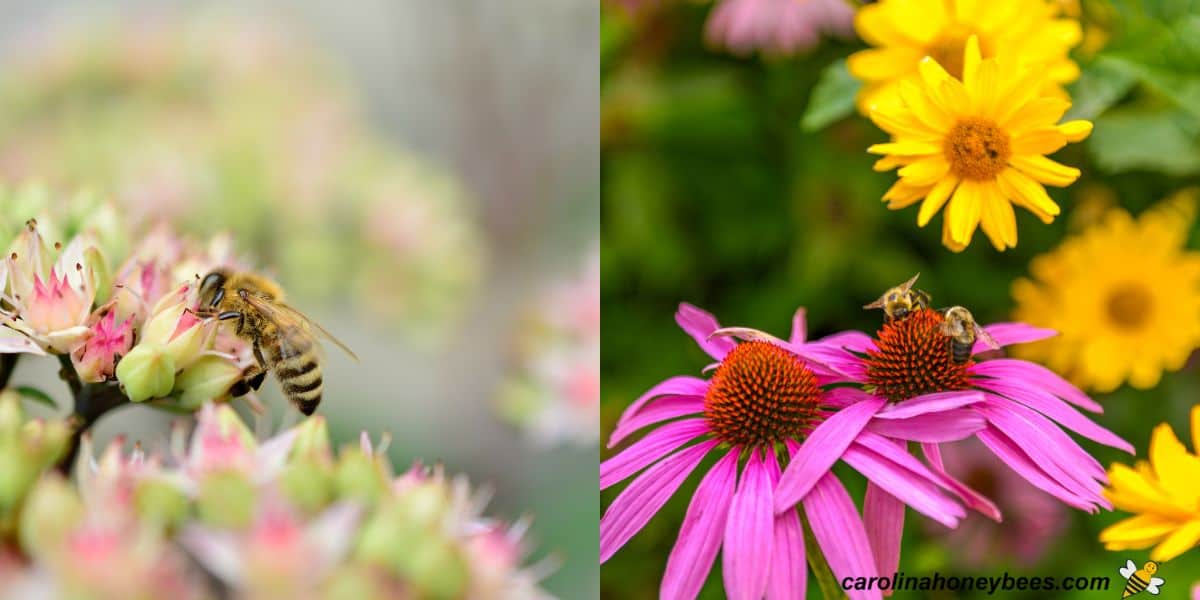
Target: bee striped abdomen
1134, 585
299, 374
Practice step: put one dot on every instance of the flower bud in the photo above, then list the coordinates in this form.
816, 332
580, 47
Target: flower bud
148, 371
179, 331
160, 502
226, 499
44, 442
425, 504
207, 379
308, 484
312, 440
94, 360
51, 512
359, 476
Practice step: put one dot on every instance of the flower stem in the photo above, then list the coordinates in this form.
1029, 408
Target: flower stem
92, 401
830, 590
8, 364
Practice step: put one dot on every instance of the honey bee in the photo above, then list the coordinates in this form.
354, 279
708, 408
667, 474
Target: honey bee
283, 339
960, 326
1139, 580
901, 300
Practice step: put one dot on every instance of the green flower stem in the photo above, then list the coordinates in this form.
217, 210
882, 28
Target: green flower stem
830, 590
92, 401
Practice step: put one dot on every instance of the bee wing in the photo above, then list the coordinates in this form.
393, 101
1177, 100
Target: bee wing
1152, 587
286, 316
907, 285
1128, 570
987, 338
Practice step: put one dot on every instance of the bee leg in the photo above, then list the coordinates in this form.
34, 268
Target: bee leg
257, 381
252, 380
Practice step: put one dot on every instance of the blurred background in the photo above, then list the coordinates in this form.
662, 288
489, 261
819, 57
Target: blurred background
735, 177
421, 176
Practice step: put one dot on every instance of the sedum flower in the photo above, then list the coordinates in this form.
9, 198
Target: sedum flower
766, 414
776, 27
27, 447
51, 290
96, 358
975, 145
1129, 321
1163, 495
903, 32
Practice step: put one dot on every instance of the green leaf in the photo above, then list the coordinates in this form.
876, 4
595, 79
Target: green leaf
1146, 138
832, 98
36, 395
1100, 86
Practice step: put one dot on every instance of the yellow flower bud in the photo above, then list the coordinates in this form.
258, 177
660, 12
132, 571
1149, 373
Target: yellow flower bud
52, 510
148, 371
207, 379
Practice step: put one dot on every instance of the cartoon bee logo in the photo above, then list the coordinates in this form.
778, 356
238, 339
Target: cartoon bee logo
1139, 580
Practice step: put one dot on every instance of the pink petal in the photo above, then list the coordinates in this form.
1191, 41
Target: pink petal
1007, 334
749, 534
853, 341
841, 397
662, 409
1012, 455
883, 517
909, 481
1026, 373
930, 403
823, 447
634, 507
948, 426
973, 499
789, 574
1054, 451
681, 385
837, 362
700, 324
702, 531
840, 533
799, 327
655, 445
1052, 406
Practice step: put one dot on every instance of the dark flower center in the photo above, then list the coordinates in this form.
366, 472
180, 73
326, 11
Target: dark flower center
1129, 306
761, 394
913, 358
977, 149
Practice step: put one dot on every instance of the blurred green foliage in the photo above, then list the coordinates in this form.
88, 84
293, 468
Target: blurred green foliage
744, 186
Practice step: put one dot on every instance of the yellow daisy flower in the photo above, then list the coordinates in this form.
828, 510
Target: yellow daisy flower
1164, 494
1029, 32
978, 143
1124, 296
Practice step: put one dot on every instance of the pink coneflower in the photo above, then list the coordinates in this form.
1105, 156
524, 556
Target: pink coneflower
779, 27
1024, 404
764, 403
1032, 521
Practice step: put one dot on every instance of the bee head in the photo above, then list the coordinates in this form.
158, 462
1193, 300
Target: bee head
1151, 567
212, 288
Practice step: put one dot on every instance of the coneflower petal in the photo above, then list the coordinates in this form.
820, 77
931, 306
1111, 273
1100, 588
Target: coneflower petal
789, 574
883, 518
973, 499
895, 470
702, 531
700, 324
839, 532
931, 403
663, 408
822, 448
1055, 451
634, 507
654, 446
1008, 451
680, 385
1055, 408
1007, 334
946, 426
749, 533
1021, 370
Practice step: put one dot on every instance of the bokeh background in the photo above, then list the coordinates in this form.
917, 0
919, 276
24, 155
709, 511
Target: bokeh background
740, 182
420, 175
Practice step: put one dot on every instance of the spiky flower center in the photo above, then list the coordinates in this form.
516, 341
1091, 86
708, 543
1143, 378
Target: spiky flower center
761, 394
1129, 306
977, 148
913, 358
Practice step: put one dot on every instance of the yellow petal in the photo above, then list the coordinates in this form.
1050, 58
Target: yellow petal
1040, 112
963, 212
1076, 131
1178, 471
1196, 428
932, 73
997, 218
899, 122
902, 195
948, 241
926, 171
874, 26
883, 63
1044, 170
1183, 539
954, 97
985, 89
906, 148
971, 59
1028, 194
1132, 491
1143, 530
1046, 140
888, 163
936, 199
930, 113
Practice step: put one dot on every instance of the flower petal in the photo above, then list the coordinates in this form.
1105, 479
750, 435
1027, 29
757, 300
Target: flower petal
840, 533
892, 468
799, 327
749, 534
662, 409
973, 499
1007, 334
946, 426
681, 385
789, 574
1028, 373
821, 450
702, 531
1054, 408
883, 517
655, 445
634, 507
700, 324
1011, 454
930, 403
